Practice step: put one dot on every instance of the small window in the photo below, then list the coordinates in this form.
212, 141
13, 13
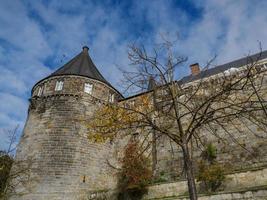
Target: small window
40, 91
59, 85
88, 88
132, 103
111, 97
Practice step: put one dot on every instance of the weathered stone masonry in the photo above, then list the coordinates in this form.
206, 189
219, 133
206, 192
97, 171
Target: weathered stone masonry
64, 164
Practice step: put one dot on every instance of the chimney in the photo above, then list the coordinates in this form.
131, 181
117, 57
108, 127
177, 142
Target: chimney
195, 69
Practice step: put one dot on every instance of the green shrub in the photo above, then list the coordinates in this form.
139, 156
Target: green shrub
210, 153
161, 178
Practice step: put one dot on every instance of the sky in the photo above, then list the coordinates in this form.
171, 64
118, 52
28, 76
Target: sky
37, 37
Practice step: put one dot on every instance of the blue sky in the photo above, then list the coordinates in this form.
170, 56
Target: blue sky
37, 37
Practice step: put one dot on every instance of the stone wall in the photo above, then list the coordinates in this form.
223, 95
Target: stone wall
73, 85
250, 185
241, 150
244, 148
64, 164
234, 183
230, 154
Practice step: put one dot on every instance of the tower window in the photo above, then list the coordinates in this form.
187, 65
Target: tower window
40, 91
59, 85
88, 88
111, 97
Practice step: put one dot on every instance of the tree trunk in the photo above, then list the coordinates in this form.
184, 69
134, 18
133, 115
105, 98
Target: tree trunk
188, 166
154, 153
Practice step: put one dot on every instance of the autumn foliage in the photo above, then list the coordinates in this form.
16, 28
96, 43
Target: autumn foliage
122, 118
135, 173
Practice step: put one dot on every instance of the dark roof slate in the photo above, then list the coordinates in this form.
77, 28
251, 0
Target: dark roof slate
81, 65
221, 68
215, 70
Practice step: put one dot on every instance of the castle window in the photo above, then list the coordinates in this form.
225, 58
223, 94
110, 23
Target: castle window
59, 85
40, 91
88, 88
111, 97
132, 103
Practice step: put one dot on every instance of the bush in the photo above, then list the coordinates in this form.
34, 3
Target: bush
135, 173
161, 178
210, 173
210, 153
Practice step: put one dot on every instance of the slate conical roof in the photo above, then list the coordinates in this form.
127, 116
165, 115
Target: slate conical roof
81, 65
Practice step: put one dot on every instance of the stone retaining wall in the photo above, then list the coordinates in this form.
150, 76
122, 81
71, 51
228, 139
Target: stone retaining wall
245, 185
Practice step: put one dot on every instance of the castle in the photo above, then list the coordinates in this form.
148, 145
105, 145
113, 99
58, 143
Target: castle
66, 165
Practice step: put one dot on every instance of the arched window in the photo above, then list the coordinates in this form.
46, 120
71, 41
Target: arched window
59, 85
40, 91
111, 97
88, 88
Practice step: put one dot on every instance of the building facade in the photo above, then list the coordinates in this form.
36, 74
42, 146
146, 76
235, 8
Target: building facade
63, 163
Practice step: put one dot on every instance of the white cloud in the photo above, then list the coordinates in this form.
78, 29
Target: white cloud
36, 32
21, 31
230, 29
12, 105
9, 82
12, 114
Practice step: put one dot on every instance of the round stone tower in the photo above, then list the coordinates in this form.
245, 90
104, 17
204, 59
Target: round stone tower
62, 163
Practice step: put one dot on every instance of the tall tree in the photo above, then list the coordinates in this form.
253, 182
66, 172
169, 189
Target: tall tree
182, 111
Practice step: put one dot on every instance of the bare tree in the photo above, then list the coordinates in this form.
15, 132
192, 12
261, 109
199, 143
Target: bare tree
7, 159
10, 175
182, 111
